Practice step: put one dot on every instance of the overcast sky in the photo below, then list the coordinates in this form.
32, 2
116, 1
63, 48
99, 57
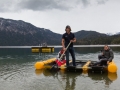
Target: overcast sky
98, 15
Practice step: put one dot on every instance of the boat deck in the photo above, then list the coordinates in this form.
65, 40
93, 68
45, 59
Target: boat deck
84, 65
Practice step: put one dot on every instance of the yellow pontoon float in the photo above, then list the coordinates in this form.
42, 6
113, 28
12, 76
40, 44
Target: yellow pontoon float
42, 49
83, 65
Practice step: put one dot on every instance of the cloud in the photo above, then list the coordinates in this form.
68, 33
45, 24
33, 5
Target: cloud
41, 5
4, 4
84, 2
8, 5
101, 1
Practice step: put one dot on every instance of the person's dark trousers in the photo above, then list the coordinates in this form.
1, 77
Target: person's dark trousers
102, 60
71, 50
101, 56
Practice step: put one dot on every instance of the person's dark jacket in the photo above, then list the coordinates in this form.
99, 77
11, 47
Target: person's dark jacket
108, 54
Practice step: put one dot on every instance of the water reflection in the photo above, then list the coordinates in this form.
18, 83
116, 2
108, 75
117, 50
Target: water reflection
70, 78
17, 72
108, 78
38, 72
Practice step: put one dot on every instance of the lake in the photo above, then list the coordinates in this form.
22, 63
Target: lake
17, 71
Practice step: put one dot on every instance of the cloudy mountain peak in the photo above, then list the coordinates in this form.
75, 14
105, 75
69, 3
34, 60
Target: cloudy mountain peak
17, 26
18, 32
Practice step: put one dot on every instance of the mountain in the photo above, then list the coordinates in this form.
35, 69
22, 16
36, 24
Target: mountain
118, 33
88, 34
115, 39
18, 32
109, 34
99, 38
89, 37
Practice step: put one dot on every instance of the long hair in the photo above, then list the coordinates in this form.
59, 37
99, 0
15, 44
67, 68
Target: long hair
68, 27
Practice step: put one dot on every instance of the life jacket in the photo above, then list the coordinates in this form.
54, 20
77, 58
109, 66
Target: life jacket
62, 61
59, 63
61, 51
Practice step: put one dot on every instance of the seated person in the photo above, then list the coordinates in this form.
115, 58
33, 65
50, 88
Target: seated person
106, 56
61, 61
60, 53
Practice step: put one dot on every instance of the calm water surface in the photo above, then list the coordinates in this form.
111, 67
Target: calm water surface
17, 72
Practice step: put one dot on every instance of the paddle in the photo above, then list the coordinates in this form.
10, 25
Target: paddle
64, 51
62, 54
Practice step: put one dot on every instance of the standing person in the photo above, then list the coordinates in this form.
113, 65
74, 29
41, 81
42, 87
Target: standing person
66, 39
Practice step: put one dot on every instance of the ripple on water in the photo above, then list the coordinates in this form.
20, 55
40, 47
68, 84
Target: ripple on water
18, 73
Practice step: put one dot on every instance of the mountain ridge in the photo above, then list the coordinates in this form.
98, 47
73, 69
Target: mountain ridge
21, 33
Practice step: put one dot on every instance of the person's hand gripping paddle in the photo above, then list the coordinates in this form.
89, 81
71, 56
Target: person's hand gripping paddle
64, 51
59, 59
